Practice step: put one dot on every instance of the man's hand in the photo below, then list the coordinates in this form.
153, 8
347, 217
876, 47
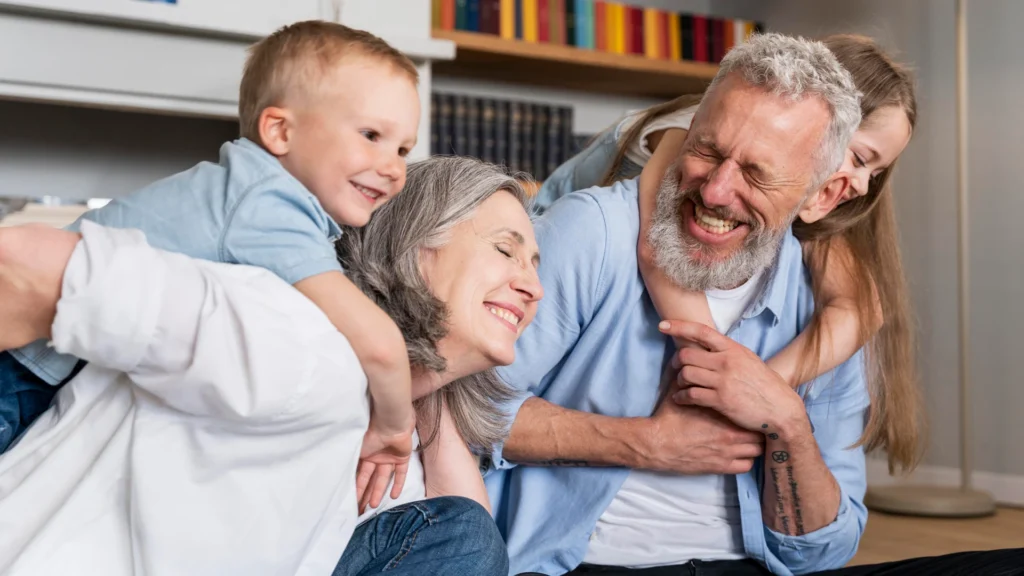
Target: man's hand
694, 440
32, 262
730, 379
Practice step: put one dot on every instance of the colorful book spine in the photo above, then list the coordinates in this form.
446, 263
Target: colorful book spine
700, 40
664, 36
739, 31
650, 37
719, 40
473, 15
748, 30
543, 21
531, 21
589, 24
448, 14
627, 29
639, 30
730, 35
619, 27
675, 42
435, 13
461, 14
520, 32
507, 19
601, 26
556, 21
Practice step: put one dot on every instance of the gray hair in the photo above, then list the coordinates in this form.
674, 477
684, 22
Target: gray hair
383, 260
793, 67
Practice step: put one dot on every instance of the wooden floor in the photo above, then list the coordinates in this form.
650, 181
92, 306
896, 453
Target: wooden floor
890, 537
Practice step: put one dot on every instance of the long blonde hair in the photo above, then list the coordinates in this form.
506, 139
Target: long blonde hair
867, 225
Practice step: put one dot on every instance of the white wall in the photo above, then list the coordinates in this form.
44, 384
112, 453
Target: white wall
921, 32
593, 112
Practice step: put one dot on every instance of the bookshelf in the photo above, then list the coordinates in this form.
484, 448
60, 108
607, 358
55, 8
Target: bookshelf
489, 57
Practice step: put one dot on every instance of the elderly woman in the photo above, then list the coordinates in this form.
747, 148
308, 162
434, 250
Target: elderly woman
217, 426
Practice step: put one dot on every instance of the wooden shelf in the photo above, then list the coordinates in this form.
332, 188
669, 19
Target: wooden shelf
489, 57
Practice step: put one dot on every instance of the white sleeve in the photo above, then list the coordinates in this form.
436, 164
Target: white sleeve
638, 152
207, 339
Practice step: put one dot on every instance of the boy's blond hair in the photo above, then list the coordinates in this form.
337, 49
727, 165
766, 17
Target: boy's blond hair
296, 57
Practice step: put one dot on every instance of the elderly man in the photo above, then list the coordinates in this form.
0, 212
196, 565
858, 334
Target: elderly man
588, 481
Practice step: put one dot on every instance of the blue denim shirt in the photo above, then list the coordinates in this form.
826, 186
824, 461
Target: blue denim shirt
595, 346
245, 209
586, 169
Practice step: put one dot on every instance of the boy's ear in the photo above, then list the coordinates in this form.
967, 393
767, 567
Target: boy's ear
275, 126
831, 194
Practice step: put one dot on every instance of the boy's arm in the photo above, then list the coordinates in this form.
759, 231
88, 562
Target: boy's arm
671, 301
377, 342
844, 325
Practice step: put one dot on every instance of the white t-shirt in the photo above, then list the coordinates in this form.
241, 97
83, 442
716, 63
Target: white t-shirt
216, 429
638, 152
663, 519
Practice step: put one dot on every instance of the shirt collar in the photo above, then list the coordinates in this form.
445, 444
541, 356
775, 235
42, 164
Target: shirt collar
333, 229
773, 295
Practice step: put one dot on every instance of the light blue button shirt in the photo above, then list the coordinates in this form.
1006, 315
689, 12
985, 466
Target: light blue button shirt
595, 346
245, 209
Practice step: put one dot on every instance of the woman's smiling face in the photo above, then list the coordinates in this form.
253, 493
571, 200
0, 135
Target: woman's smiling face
486, 274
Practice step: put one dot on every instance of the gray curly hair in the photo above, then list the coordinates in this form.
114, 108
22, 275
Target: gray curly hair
794, 67
383, 260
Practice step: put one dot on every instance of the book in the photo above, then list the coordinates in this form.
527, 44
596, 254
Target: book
448, 14
585, 23
501, 132
719, 40
445, 121
531, 21
601, 26
435, 13
473, 15
540, 139
520, 32
730, 35
571, 36
700, 40
686, 36
568, 147
490, 19
460, 132
488, 130
473, 145
515, 136
650, 33
675, 42
526, 139
553, 156
739, 31
543, 21
664, 35
507, 19
710, 37
435, 111
461, 14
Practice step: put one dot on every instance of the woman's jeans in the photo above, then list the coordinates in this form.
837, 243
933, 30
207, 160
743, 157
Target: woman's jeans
449, 536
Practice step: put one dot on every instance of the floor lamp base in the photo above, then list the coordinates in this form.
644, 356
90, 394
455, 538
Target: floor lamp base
930, 501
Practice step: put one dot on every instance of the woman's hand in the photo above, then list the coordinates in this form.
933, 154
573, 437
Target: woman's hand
32, 262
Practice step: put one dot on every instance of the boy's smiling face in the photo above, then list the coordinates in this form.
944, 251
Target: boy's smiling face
346, 137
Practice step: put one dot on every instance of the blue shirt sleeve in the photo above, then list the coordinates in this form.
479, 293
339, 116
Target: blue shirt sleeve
837, 406
572, 237
282, 230
580, 172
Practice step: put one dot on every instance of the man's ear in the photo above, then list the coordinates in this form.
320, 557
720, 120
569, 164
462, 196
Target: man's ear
276, 127
831, 194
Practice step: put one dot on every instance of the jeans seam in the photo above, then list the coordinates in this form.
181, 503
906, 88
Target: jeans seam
410, 540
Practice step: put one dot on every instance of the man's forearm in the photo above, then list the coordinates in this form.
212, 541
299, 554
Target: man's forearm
800, 493
545, 434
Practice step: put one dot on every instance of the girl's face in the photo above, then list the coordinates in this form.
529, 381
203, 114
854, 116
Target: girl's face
878, 142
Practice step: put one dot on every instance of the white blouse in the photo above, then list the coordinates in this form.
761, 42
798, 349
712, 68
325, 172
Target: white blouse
216, 429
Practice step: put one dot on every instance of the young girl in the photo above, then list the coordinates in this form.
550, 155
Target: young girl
857, 274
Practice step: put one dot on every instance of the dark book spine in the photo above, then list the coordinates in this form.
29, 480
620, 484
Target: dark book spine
519, 19
488, 121
515, 136
435, 113
568, 142
571, 34
461, 14
759, 28
473, 145
445, 125
501, 132
709, 24
686, 35
639, 31
540, 140
490, 17
473, 15
719, 39
459, 126
526, 139
553, 145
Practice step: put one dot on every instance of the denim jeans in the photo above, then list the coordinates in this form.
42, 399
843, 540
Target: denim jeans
448, 536
23, 397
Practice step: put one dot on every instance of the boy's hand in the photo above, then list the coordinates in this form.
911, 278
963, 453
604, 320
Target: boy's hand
384, 453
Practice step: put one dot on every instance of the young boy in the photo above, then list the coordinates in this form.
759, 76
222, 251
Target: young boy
327, 116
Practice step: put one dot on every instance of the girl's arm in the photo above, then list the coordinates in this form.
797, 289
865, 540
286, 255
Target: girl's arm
841, 318
671, 301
